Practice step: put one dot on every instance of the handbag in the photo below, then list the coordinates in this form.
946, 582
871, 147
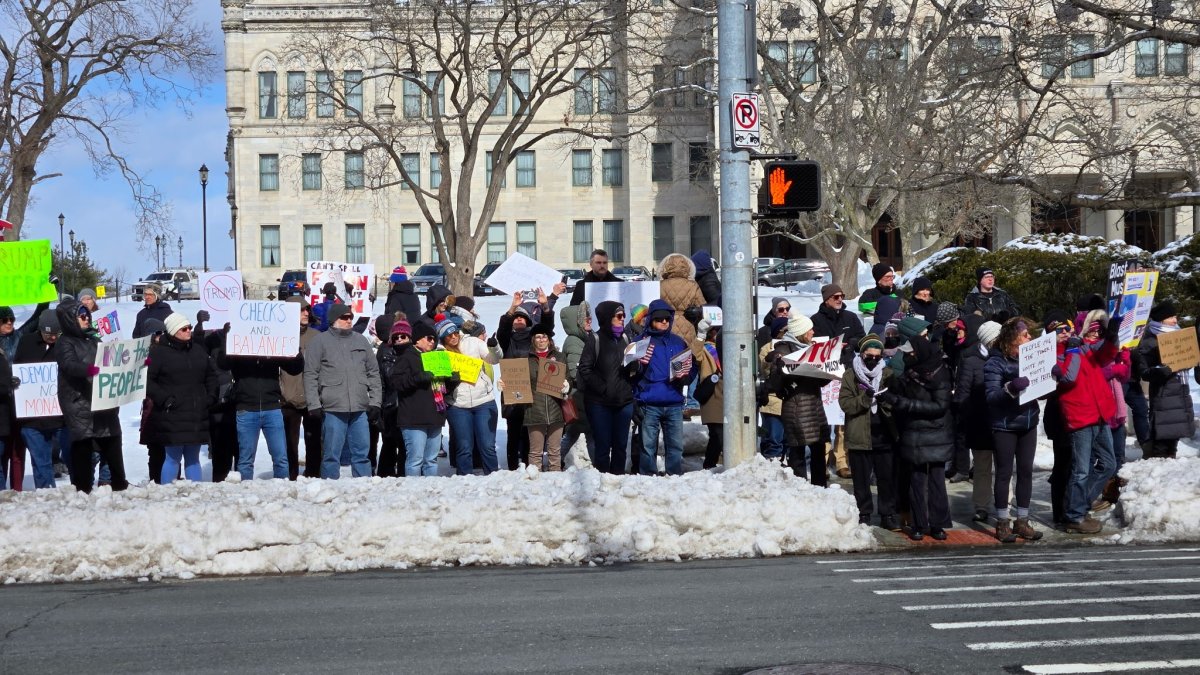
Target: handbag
570, 414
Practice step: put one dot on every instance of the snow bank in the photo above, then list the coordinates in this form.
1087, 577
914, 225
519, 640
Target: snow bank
1161, 503
509, 518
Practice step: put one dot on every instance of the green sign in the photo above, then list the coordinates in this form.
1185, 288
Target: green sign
25, 272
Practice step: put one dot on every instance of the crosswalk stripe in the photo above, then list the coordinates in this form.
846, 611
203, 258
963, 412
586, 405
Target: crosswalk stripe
1082, 642
1126, 666
1065, 619
990, 575
1017, 562
1016, 587
1023, 555
1064, 601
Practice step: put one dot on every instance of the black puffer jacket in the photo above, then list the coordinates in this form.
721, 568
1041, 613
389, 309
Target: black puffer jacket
76, 353
7, 407
970, 398
995, 306
604, 378
182, 386
256, 379
33, 349
924, 415
829, 322
802, 412
415, 406
1171, 415
1006, 411
403, 298
385, 356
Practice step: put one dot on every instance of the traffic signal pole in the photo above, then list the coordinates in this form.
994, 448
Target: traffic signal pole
738, 351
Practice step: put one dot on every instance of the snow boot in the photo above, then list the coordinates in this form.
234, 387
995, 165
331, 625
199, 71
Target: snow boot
1085, 526
1024, 530
1004, 531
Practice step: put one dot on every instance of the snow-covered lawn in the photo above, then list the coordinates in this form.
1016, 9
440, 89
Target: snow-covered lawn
1161, 503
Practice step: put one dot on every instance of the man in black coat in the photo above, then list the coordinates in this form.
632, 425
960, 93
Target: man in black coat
833, 319
988, 300
155, 308
402, 297
39, 433
598, 272
706, 277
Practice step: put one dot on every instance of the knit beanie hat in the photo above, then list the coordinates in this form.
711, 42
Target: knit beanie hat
398, 274
444, 327
402, 327
982, 272
798, 325
1055, 317
912, 326
870, 341
466, 302
48, 323
879, 270
830, 290
152, 326
85, 293
988, 332
921, 284
947, 312
336, 310
779, 323
423, 330
542, 329
637, 315
174, 322
153, 287
383, 326
777, 301
6, 312
1163, 311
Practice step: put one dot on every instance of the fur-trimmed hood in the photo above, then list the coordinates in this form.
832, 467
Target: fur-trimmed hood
676, 266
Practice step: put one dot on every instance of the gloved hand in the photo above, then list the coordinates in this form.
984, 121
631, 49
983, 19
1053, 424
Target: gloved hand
566, 387
147, 364
16, 383
1074, 342
202, 316
1112, 332
424, 378
315, 413
93, 371
454, 380
888, 398
1056, 371
1017, 385
867, 389
491, 342
373, 415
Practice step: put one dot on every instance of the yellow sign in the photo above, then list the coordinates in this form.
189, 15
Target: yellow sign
467, 367
101, 292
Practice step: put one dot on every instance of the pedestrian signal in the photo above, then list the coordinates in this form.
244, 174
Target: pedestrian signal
791, 187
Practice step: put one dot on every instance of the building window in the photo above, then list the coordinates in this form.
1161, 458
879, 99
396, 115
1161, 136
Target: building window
520, 88
269, 243
989, 46
614, 240
488, 164
411, 163
804, 56
701, 233
268, 172
1053, 47
777, 55
1080, 45
680, 87
497, 245
662, 164
660, 85
410, 243
435, 171
612, 164
355, 178
582, 240
581, 168
296, 97
583, 91
411, 96
1145, 62
699, 162
495, 84
356, 243
435, 105
884, 52
527, 238
664, 236
352, 80
700, 82
313, 247
324, 93
1175, 60
526, 169
311, 165
606, 91
268, 95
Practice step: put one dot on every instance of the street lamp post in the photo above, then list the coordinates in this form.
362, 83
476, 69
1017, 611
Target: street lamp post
233, 213
71, 234
181, 252
204, 210
62, 255
158, 252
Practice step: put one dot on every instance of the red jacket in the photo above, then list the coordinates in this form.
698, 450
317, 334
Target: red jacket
1084, 394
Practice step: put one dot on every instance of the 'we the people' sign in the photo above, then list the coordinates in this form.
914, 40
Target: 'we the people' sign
122, 377
263, 328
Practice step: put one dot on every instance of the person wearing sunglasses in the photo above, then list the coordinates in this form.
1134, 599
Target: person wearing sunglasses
767, 332
181, 385
607, 391
661, 376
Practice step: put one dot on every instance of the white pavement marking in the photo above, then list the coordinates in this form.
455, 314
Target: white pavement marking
1017, 562
1124, 551
1058, 668
1065, 601
1082, 642
1064, 619
1015, 587
990, 575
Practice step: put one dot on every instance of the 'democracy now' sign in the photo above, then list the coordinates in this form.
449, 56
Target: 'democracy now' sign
122, 377
264, 328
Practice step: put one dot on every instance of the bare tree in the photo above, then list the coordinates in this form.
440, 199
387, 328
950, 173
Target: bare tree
72, 69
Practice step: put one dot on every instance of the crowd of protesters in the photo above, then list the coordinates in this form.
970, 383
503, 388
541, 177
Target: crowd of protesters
931, 393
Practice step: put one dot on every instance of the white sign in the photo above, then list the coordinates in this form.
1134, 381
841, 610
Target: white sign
122, 376
830, 394
635, 351
522, 273
628, 293
218, 292
746, 122
355, 283
264, 328
108, 326
822, 360
1036, 360
713, 315
38, 394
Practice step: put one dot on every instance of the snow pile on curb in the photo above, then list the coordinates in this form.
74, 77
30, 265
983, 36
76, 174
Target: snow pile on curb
1161, 503
508, 518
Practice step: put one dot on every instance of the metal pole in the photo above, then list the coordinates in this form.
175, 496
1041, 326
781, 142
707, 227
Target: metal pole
62, 255
204, 210
738, 348
181, 251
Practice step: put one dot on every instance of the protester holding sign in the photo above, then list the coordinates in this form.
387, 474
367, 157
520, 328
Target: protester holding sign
181, 387
420, 410
544, 418
7, 425
658, 389
514, 335
472, 413
39, 433
1171, 414
802, 411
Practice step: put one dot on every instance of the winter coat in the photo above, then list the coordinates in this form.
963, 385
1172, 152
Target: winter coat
76, 353
829, 322
706, 278
483, 392
291, 385
574, 321
1006, 411
677, 286
877, 305
1171, 414
602, 374
7, 401
403, 298
865, 430
924, 414
320, 315
1084, 395
181, 385
415, 405
763, 337
341, 374
8, 343
923, 309
989, 305
159, 310
545, 409
766, 362
712, 411
802, 409
653, 383
577, 296
33, 349
385, 358
255, 378
970, 398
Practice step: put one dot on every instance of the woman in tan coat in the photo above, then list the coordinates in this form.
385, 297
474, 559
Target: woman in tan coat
677, 286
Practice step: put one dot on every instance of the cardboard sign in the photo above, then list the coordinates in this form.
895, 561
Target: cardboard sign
628, 293
122, 377
264, 328
1136, 301
108, 326
437, 363
550, 377
38, 394
218, 293
1036, 360
355, 283
518, 389
25, 273
467, 367
521, 273
1179, 351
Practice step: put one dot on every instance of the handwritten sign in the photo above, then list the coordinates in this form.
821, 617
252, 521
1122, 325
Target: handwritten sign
25, 273
628, 293
122, 377
713, 315
108, 326
518, 389
829, 400
355, 282
1036, 360
467, 367
1136, 302
38, 393
551, 376
521, 273
218, 292
264, 328
1179, 351
437, 363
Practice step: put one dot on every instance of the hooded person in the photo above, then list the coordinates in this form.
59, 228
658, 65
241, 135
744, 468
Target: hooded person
706, 277
181, 385
660, 380
514, 336
973, 421
295, 405
874, 316
604, 379
1171, 414
437, 300
577, 322
922, 302
989, 300
869, 441
402, 296
678, 288
320, 311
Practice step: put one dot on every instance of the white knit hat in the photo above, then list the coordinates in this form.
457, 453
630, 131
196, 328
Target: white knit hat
798, 325
174, 322
988, 333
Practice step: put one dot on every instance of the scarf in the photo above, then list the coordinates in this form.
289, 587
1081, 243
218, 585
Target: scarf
1158, 328
617, 331
711, 348
872, 378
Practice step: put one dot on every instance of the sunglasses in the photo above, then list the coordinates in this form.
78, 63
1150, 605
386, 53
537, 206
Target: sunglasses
8, 319
346, 317
399, 337
838, 296
663, 319
186, 328
619, 315
782, 310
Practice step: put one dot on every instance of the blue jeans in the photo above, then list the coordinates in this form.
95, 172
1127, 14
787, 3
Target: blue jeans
249, 422
1119, 436
610, 431
773, 440
41, 444
1092, 465
422, 444
345, 430
670, 420
474, 428
190, 455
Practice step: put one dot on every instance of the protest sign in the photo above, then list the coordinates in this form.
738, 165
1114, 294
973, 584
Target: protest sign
1179, 351
263, 328
1136, 301
437, 363
822, 360
517, 387
830, 394
521, 273
218, 292
1116, 284
355, 283
467, 367
108, 326
550, 378
38, 394
628, 293
1036, 360
25, 273
122, 376
713, 315
101, 292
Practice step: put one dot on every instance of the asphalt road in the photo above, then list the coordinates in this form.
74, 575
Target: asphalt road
921, 610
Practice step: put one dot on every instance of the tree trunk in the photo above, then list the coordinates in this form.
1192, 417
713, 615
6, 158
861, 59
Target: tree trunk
844, 265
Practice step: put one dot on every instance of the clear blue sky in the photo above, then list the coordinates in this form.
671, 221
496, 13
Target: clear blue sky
166, 145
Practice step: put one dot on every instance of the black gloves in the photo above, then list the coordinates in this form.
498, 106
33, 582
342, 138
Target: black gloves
202, 316
315, 413
889, 398
693, 314
867, 389
491, 342
454, 380
424, 378
373, 415
1074, 342
16, 383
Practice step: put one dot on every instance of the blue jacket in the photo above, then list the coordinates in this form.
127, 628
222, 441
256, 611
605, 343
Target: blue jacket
652, 383
1008, 414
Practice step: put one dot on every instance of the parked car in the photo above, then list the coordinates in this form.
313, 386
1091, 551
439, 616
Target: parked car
763, 264
177, 284
293, 282
793, 272
571, 277
481, 288
428, 275
632, 273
